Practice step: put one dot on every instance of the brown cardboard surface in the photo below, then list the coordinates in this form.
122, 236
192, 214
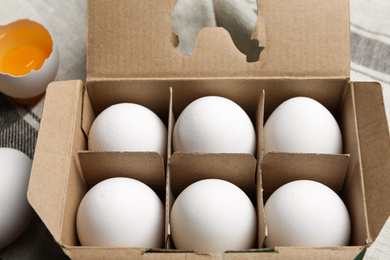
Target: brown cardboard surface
147, 167
169, 199
281, 168
291, 253
187, 168
374, 148
134, 40
353, 185
153, 95
245, 92
262, 230
54, 164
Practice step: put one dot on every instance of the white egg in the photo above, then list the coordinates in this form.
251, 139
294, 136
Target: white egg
29, 60
213, 216
15, 211
214, 125
121, 212
302, 125
306, 214
128, 127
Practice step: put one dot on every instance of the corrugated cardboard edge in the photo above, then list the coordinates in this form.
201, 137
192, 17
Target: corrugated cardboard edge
262, 231
169, 199
53, 153
278, 253
353, 193
374, 143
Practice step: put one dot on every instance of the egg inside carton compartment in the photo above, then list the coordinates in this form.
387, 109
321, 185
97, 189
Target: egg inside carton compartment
145, 166
100, 165
257, 175
340, 172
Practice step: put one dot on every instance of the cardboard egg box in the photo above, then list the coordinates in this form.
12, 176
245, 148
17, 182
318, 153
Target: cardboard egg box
131, 57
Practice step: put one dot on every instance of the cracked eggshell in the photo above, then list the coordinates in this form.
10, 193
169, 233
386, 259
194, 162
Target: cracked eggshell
27, 89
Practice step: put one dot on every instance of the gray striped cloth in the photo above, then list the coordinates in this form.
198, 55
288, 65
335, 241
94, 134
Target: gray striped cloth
370, 61
19, 124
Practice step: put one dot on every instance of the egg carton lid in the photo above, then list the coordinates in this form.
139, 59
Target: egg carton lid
134, 39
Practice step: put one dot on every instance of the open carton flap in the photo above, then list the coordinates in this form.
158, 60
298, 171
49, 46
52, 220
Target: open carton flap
305, 38
54, 165
374, 141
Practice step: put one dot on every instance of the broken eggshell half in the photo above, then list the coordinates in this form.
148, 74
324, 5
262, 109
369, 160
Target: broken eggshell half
29, 60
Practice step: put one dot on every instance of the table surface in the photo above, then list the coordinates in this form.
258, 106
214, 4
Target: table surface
370, 61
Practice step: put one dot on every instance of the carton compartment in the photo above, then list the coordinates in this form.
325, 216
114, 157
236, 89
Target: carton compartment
187, 168
99, 166
248, 188
340, 172
96, 166
147, 167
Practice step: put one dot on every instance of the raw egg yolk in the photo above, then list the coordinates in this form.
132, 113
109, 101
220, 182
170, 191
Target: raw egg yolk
24, 49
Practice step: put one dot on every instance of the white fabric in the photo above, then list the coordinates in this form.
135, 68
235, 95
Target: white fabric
189, 18
238, 17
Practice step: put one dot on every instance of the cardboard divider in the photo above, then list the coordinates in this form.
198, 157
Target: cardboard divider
262, 228
169, 198
187, 168
281, 168
103, 94
147, 167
